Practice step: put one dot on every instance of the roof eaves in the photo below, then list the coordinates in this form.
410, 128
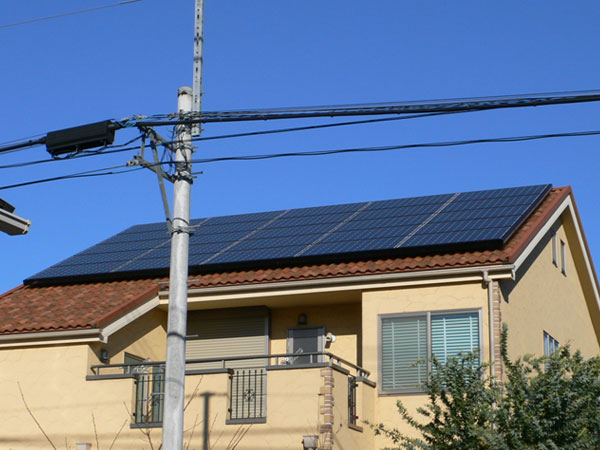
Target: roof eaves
527, 232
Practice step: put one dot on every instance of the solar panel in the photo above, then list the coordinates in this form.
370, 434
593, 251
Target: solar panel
485, 218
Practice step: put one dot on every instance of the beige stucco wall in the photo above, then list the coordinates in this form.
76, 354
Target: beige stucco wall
343, 320
53, 381
543, 299
442, 297
345, 437
292, 411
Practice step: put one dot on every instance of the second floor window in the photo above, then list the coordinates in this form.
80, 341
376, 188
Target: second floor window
409, 341
550, 344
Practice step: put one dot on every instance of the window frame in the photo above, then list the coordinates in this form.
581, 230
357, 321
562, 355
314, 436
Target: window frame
427, 314
563, 257
554, 249
548, 340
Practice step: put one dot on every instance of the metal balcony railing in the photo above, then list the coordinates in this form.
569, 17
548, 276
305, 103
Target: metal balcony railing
268, 362
247, 388
149, 395
352, 415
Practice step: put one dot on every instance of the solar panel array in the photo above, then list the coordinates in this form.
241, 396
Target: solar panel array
389, 225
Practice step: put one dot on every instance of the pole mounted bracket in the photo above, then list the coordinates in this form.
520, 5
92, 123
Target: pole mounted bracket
176, 230
179, 176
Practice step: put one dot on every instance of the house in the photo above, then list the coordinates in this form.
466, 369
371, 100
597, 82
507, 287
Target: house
9, 222
301, 323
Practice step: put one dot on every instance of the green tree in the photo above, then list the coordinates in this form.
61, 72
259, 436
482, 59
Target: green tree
543, 403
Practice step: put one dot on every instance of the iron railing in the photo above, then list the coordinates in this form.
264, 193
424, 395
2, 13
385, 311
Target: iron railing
269, 362
149, 395
352, 385
248, 395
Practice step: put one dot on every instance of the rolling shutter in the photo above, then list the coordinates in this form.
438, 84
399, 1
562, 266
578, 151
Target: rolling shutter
227, 333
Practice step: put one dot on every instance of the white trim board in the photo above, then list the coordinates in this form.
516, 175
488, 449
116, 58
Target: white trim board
567, 204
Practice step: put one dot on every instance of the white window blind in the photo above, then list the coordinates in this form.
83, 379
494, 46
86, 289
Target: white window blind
407, 340
453, 334
404, 353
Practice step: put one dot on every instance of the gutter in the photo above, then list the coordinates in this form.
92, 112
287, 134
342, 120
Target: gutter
353, 282
12, 224
52, 338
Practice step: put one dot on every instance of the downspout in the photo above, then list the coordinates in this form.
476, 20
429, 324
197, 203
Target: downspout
492, 344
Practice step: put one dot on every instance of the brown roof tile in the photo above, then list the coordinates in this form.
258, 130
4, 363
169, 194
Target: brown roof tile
28, 309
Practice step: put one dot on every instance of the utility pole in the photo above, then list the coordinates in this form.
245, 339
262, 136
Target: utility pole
177, 316
188, 100
198, 58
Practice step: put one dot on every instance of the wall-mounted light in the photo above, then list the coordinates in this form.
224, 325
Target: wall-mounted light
104, 355
302, 319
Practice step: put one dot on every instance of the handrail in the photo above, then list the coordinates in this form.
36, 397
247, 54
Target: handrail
333, 360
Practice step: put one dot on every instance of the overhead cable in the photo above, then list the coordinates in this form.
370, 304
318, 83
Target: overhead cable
126, 169
22, 145
410, 107
87, 174
110, 149
398, 147
68, 13
102, 151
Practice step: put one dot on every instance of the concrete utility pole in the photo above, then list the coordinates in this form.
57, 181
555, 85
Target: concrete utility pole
198, 47
177, 319
188, 100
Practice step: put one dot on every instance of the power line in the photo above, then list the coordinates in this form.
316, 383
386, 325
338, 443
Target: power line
87, 174
126, 169
103, 151
22, 139
416, 107
399, 147
22, 145
68, 13
108, 149
315, 127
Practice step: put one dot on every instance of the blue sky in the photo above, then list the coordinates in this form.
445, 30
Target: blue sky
131, 59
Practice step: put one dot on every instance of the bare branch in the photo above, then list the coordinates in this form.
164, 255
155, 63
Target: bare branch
187, 446
210, 432
34, 419
237, 437
95, 432
117, 435
194, 393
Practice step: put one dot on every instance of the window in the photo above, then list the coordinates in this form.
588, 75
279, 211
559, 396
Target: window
554, 249
563, 257
407, 342
550, 344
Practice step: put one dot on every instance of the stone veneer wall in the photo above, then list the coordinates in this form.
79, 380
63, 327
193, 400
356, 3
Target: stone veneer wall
326, 410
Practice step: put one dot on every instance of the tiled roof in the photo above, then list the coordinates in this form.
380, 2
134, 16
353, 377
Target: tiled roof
29, 309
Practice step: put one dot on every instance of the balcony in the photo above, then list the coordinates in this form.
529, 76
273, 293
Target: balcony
321, 390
